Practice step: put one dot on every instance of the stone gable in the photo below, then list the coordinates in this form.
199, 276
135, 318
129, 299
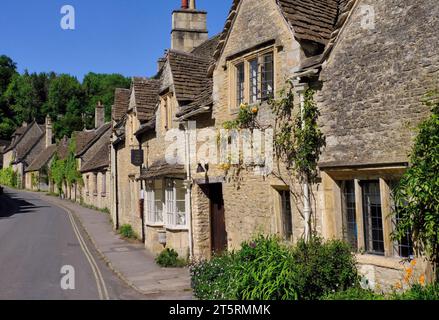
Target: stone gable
375, 79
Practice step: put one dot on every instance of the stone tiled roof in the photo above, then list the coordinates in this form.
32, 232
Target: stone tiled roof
189, 72
312, 20
17, 136
42, 159
204, 99
100, 160
161, 168
96, 134
146, 92
82, 138
315, 63
207, 48
23, 150
121, 103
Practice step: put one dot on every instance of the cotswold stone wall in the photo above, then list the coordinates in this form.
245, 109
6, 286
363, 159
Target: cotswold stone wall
128, 190
375, 79
252, 201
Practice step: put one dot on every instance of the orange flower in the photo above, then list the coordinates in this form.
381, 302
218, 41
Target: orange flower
398, 286
255, 110
413, 263
409, 272
422, 280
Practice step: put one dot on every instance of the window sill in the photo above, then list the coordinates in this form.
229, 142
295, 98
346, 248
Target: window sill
177, 228
381, 261
154, 224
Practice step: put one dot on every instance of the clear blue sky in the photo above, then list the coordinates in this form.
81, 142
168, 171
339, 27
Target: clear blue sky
111, 36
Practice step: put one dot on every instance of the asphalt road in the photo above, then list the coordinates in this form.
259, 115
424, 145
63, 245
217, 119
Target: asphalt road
37, 240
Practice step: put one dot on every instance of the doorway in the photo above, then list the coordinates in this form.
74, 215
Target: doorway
217, 218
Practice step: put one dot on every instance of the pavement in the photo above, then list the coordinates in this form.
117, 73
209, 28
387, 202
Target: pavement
40, 234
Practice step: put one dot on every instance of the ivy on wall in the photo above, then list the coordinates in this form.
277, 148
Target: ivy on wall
65, 171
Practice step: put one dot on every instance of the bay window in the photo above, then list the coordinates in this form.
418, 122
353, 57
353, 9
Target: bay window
166, 203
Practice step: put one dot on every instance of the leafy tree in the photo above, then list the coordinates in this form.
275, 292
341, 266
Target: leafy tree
22, 98
417, 196
100, 87
65, 101
8, 69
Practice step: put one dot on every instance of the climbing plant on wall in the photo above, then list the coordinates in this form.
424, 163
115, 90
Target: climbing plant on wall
65, 171
299, 140
417, 196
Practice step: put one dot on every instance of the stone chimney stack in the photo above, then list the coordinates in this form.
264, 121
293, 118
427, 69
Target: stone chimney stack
189, 27
49, 132
99, 115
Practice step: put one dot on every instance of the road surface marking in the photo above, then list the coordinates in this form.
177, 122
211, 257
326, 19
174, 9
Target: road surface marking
102, 288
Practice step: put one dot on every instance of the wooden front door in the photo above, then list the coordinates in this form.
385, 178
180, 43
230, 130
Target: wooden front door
217, 218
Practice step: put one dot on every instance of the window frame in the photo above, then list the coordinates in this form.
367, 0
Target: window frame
151, 213
171, 205
104, 184
245, 61
387, 220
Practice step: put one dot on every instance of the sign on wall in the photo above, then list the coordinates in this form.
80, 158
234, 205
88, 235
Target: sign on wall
137, 158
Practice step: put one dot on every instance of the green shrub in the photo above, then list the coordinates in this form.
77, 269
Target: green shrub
127, 231
168, 258
356, 293
212, 279
265, 269
324, 268
8, 177
418, 292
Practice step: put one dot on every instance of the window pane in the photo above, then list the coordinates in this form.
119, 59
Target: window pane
373, 219
180, 203
287, 219
254, 80
404, 247
240, 84
158, 201
267, 89
350, 213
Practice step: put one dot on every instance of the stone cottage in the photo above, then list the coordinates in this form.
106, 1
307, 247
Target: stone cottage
93, 154
368, 84
371, 80
28, 141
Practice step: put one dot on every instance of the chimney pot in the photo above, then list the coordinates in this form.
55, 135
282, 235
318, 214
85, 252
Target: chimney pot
185, 4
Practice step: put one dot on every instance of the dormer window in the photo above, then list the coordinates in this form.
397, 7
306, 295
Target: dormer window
254, 78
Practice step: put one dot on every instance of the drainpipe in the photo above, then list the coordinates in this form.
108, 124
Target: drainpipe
116, 184
300, 89
188, 184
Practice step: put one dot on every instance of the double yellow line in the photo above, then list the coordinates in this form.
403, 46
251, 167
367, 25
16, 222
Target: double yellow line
100, 283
